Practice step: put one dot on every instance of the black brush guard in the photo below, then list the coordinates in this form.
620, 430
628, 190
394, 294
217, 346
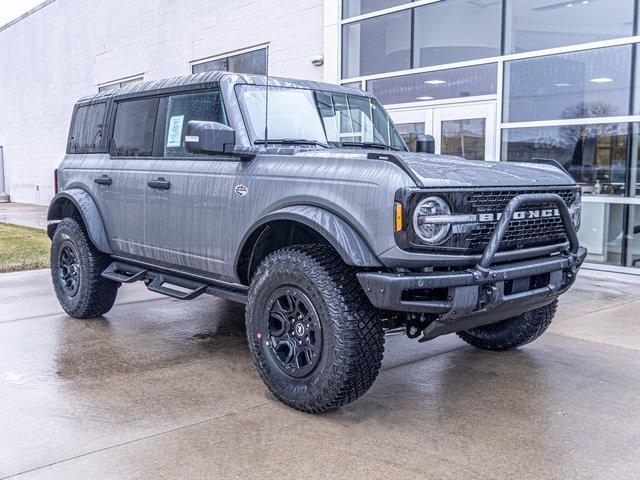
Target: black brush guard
477, 296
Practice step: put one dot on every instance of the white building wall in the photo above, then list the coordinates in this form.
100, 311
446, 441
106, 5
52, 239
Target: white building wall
63, 51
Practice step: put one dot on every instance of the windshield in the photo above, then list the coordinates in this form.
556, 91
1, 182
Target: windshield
317, 117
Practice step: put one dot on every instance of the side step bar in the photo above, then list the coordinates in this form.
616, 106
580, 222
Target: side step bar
156, 282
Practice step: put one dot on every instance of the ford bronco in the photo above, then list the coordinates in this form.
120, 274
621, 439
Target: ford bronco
301, 200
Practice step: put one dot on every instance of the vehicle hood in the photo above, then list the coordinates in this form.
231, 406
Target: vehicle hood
447, 171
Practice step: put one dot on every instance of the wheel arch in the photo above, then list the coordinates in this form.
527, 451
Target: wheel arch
79, 203
301, 224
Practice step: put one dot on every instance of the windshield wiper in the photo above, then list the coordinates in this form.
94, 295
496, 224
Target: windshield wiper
290, 141
383, 146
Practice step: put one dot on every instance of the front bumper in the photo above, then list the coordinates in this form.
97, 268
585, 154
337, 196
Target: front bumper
484, 294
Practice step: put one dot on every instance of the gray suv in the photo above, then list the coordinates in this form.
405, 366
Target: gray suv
301, 200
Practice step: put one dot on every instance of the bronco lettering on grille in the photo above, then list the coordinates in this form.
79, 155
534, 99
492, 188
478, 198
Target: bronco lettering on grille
521, 215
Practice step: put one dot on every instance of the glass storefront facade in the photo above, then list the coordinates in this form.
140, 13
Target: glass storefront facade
540, 80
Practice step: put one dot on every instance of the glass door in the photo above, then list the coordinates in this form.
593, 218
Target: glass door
466, 131
411, 123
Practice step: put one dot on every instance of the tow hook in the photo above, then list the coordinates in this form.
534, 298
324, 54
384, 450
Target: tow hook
415, 324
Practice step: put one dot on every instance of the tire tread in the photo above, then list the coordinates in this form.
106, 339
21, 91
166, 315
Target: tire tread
360, 339
513, 332
97, 294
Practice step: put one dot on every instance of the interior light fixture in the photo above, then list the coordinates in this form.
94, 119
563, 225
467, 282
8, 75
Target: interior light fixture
435, 82
569, 5
424, 98
561, 84
601, 80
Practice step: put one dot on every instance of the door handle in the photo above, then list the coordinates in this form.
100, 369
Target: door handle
159, 183
103, 180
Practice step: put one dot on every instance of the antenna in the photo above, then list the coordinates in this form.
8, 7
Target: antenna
266, 103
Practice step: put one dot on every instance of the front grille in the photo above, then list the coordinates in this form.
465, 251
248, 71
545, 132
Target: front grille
521, 233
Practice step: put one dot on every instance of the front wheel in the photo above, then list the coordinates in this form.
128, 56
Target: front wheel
76, 268
315, 339
512, 332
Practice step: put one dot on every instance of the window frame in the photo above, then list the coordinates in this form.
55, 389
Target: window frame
346, 25
161, 124
114, 113
121, 83
313, 91
158, 150
228, 55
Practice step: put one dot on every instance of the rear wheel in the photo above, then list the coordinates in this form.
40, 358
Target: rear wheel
315, 339
512, 332
76, 268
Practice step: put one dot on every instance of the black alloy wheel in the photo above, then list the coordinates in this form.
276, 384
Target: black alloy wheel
295, 332
69, 268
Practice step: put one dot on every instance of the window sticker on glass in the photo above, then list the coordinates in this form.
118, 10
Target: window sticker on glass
174, 137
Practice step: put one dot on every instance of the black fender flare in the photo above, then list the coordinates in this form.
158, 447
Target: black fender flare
89, 213
349, 244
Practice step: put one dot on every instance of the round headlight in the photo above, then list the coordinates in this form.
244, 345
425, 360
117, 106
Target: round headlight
428, 228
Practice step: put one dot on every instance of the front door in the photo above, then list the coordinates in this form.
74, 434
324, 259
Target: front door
188, 201
466, 131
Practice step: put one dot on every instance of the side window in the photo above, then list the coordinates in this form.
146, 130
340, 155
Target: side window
87, 131
206, 106
134, 128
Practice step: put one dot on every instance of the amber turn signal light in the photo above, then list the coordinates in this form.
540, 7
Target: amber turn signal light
398, 217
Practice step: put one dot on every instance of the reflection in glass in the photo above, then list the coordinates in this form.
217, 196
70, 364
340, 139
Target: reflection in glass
463, 138
376, 45
115, 86
181, 109
634, 171
352, 8
592, 83
595, 155
633, 248
455, 31
357, 85
601, 232
540, 24
453, 83
409, 133
253, 63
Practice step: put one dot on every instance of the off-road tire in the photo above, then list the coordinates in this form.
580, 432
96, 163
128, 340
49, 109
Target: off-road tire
512, 332
95, 295
352, 334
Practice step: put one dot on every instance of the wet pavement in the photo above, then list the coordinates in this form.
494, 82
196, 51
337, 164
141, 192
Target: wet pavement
160, 388
24, 214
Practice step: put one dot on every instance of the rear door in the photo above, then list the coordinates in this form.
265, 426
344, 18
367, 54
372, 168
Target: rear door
189, 204
122, 184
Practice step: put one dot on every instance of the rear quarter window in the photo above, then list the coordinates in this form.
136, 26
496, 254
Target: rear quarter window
87, 133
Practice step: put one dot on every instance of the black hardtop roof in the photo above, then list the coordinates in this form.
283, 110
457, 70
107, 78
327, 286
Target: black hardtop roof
212, 80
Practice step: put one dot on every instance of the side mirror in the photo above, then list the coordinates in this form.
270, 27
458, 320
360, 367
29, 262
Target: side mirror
425, 144
209, 137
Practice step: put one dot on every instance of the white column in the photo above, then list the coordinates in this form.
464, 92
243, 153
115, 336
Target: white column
332, 9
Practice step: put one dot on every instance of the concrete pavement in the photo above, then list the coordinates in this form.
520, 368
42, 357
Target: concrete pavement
160, 388
24, 214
